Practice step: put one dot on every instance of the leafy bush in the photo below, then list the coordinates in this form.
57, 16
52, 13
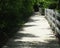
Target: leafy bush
53, 6
41, 4
13, 14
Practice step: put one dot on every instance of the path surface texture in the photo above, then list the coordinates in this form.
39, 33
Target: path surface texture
36, 33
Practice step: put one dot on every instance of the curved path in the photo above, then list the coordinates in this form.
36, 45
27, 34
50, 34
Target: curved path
35, 34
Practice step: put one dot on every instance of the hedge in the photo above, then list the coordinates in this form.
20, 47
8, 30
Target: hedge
13, 14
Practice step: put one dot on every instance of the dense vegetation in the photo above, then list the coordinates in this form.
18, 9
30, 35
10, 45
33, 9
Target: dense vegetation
51, 4
13, 14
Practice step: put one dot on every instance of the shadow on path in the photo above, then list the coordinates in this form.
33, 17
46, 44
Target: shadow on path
35, 37
34, 44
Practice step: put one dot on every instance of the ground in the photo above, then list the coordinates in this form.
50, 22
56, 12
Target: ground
36, 33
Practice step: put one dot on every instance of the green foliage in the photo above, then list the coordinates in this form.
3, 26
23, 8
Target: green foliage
53, 6
13, 14
41, 4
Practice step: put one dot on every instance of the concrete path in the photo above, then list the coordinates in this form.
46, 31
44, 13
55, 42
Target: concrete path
35, 34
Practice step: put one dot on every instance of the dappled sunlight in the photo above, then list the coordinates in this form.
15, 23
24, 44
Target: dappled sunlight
35, 34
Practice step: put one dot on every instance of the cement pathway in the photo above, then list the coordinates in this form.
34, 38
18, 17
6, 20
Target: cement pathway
35, 34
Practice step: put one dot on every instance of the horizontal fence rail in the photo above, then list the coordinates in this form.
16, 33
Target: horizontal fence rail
53, 18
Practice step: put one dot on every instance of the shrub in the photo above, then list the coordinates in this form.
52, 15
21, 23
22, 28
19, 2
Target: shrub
13, 14
52, 6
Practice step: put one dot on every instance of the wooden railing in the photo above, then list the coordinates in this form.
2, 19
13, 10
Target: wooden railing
53, 18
